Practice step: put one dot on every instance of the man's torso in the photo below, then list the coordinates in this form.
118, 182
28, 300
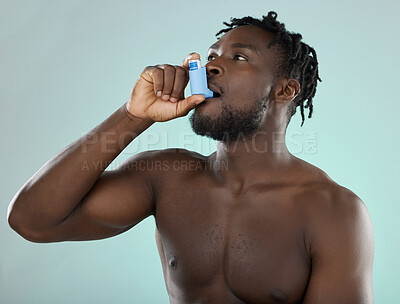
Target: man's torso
219, 244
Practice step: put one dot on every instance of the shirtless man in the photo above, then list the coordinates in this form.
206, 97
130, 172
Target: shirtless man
250, 223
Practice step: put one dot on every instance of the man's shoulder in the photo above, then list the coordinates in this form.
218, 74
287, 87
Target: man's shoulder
325, 197
170, 154
172, 161
317, 181
167, 154
331, 212
326, 204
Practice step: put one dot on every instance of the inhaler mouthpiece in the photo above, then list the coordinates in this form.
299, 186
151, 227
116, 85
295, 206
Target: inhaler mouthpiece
198, 79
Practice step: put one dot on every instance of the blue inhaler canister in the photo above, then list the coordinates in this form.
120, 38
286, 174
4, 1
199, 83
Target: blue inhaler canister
198, 79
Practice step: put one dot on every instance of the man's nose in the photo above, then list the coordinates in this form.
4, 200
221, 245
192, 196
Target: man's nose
213, 69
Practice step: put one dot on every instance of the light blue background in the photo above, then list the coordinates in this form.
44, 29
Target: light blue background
65, 66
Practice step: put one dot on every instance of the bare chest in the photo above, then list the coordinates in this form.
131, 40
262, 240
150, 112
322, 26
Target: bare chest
250, 248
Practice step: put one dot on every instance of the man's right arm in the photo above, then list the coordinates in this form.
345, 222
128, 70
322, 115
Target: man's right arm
71, 197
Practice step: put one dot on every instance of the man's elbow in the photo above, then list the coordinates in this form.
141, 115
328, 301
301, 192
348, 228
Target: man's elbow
19, 228
18, 224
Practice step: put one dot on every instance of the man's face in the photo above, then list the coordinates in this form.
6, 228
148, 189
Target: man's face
243, 76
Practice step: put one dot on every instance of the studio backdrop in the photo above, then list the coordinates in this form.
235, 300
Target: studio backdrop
66, 66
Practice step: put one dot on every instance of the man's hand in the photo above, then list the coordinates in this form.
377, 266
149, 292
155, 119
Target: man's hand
159, 92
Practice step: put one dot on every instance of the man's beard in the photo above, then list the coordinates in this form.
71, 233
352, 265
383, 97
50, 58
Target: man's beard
231, 123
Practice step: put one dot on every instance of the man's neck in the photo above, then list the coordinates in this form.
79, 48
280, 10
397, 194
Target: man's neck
262, 158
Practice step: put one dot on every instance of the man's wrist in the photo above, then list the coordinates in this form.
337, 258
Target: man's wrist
134, 118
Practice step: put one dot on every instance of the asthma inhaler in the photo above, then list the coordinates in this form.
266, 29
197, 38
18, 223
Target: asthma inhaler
198, 79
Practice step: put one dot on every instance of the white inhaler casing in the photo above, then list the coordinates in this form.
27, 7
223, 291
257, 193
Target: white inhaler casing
198, 79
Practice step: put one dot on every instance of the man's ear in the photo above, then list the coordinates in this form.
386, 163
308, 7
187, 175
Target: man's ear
285, 90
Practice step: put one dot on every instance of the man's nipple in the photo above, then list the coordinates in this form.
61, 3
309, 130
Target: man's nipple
172, 262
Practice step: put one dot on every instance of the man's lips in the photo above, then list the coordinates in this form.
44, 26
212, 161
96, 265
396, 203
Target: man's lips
211, 99
216, 95
215, 89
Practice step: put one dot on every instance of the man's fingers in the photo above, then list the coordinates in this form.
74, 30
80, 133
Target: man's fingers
169, 78
170, 81
185, 62
179, 84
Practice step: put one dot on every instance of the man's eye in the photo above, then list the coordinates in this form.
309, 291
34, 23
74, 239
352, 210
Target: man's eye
236, 56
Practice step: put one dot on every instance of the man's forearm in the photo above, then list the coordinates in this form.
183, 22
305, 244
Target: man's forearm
53, 192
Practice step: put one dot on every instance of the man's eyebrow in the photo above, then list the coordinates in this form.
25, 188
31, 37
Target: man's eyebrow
236, 45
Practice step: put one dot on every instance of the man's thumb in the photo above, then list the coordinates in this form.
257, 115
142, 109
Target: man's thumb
184, 106
191, 56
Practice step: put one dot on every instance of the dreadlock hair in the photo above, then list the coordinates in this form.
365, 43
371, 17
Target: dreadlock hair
295, 58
